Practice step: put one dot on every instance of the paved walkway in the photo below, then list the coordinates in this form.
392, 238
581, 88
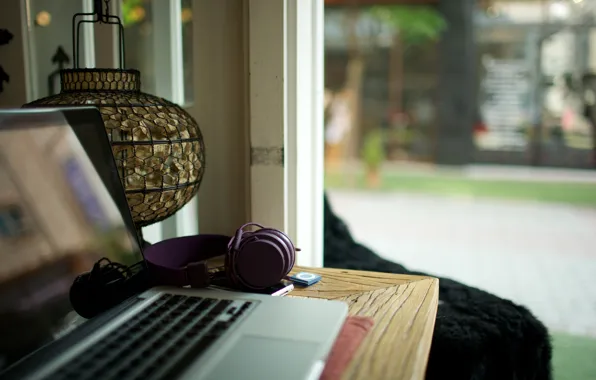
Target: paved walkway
540, 255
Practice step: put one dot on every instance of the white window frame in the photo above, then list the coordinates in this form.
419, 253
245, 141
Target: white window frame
305, 131
272, 52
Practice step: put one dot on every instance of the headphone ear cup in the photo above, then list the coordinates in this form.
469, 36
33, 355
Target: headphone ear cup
289, 251
276, 239
257, 265
83, 297
98, 290
259, 259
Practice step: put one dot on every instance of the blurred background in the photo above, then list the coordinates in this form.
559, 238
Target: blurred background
461, 141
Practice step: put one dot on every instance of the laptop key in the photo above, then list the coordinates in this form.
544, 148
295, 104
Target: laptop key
220, 307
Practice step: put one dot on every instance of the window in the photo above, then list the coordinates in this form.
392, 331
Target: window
158, 38
50, 42
535, 64
12, 223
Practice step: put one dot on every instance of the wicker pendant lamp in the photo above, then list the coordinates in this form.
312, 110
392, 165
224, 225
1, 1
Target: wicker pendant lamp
158, 146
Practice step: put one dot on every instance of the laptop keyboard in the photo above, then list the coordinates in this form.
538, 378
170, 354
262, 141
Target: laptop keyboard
157, 343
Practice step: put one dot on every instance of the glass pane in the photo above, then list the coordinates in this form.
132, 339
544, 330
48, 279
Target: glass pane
379, 82
51, 42
537, 112
468, 129
137, 17
149, 48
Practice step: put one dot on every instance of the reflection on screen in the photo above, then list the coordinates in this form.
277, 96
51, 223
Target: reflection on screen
57, 218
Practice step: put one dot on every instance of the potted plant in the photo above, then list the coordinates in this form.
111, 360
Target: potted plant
373, 155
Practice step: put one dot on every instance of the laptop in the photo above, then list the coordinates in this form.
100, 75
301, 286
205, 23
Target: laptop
62, 208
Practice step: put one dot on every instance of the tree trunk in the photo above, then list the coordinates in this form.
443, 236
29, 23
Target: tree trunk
352, 88
396, 75
457, 105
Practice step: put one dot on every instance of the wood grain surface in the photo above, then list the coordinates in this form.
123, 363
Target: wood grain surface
403, 308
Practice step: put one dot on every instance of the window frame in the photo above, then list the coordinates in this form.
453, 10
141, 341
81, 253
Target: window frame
272, 53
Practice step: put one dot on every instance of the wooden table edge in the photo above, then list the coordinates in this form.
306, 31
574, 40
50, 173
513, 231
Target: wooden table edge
410, 299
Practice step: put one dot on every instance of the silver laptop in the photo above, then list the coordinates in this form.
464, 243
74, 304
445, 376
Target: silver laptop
62, 207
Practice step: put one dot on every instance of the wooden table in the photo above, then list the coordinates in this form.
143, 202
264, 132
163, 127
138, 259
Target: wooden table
403, 308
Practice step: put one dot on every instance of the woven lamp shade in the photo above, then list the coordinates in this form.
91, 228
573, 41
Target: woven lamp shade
158, 146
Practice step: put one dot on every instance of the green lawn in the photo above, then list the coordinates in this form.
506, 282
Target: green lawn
574, 357
581, 194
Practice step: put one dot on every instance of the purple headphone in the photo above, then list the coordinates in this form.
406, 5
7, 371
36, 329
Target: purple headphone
253, 260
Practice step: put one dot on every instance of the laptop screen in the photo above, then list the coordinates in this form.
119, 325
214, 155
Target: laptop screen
62, 208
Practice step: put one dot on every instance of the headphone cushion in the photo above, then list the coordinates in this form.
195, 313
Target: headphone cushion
289, 251
259, 264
